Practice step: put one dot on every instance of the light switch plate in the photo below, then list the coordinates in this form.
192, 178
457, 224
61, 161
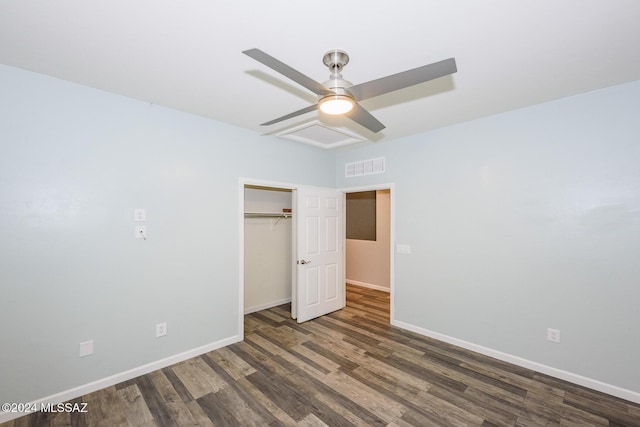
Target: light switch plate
141, 232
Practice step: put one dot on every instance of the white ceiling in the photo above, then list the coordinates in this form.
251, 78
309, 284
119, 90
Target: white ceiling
187, 54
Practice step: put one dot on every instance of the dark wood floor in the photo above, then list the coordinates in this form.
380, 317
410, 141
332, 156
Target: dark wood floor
347, 368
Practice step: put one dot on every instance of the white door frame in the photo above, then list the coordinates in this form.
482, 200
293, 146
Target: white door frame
392, 235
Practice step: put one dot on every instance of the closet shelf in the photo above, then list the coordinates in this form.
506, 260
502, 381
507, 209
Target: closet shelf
267, 214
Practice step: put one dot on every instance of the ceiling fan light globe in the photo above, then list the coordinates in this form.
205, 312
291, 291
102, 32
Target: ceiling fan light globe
336, 104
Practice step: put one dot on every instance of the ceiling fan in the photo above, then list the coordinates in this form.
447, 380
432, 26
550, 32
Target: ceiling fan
338, 96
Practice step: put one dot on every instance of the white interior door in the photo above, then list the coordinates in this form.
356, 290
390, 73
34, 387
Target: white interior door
319, 252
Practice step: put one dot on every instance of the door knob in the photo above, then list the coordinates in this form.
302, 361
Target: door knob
302, 261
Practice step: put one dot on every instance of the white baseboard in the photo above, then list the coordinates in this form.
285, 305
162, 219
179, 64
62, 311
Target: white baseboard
612, 390
121, 377
368, 285
266, 306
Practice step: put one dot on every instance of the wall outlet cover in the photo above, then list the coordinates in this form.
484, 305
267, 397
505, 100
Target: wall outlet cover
161, 330
139, 214
85, 348
553, 335
403, 249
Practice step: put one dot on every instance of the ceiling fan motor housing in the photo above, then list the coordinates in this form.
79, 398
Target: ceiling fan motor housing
335, 59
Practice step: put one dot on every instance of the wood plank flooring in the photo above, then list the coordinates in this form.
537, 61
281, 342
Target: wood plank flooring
347, 368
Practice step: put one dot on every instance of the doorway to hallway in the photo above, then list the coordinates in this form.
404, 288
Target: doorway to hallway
369, 248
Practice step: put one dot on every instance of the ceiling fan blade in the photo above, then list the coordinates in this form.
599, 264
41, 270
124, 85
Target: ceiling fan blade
287, 71
402, 80
364, 118
308, 109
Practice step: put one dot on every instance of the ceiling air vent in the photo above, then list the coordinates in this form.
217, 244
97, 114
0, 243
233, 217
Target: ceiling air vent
316, 133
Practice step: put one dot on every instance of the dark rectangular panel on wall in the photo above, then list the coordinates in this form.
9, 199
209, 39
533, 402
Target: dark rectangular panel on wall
361, 215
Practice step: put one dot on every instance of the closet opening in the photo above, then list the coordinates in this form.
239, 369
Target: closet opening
268, 245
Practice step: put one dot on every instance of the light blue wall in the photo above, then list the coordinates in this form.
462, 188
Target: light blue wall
74, 163
523, 221
517, 222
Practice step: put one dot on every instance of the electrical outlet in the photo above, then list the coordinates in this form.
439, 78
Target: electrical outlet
403, 249
161, 330
139, 214
85, 348
553, 335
